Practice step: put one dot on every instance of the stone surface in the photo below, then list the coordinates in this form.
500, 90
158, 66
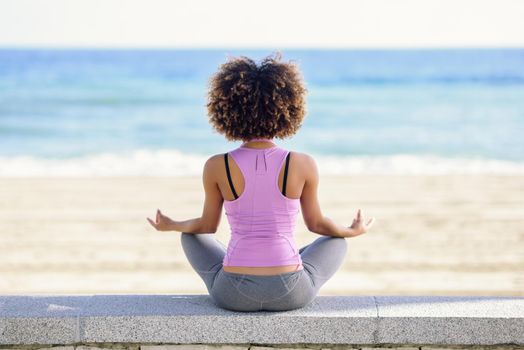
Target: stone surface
176, 347
474, 347
199, 320
450, 320
43, 330
397, 348
196, 321
130, 346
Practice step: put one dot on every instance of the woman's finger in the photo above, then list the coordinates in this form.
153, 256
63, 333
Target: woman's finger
151, 222
157, 215
359, 215
370, 222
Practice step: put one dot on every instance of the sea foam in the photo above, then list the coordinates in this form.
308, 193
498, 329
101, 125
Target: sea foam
172, 162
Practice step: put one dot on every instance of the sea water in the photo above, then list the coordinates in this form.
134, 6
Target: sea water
98, 112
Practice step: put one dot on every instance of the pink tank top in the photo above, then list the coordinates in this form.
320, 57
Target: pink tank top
262, 219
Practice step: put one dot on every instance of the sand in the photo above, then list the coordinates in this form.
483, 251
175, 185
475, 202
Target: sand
434, 235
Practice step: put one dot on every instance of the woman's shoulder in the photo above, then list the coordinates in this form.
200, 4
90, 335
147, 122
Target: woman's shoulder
302, 160
214, 162
215, 158
305, 157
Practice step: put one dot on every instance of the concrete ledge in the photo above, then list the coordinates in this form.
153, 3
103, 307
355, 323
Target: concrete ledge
190, 319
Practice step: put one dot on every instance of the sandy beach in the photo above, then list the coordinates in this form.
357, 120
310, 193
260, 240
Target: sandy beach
434, 235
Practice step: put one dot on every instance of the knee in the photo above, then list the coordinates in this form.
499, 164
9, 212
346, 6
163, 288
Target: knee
333, 241
185, 237
342, 242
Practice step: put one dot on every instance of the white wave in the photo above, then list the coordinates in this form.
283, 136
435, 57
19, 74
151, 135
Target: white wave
171, 162
406, 164
165, 162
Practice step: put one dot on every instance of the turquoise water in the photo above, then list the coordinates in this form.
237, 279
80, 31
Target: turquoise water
88, 112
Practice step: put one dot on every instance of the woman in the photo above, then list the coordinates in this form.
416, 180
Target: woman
261, 187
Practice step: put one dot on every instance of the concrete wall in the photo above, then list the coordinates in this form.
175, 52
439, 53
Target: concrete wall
151, 322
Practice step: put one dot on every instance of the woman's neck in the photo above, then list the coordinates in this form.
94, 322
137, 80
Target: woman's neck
256, 141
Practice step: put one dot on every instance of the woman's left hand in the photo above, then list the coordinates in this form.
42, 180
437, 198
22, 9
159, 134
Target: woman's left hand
163, 223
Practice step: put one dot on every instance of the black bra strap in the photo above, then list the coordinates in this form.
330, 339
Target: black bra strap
229, 176
285, 174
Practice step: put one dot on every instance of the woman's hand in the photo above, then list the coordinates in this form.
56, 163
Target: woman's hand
163, 223
358, 227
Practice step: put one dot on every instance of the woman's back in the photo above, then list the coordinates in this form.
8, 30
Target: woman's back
275, 182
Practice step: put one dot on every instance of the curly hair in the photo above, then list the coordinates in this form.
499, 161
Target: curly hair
247, 101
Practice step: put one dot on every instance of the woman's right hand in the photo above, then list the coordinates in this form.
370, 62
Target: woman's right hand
358, 227
162, 223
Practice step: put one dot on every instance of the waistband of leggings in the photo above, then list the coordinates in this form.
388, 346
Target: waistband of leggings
264, 276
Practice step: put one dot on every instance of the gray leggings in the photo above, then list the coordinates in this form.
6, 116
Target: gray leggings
246, 292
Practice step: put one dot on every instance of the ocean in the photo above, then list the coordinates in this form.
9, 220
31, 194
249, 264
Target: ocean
126, 112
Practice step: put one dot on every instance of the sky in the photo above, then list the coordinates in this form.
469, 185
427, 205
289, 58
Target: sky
262, 24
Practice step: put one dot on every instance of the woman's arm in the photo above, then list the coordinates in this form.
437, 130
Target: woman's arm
313, 218
357, 227
210, 219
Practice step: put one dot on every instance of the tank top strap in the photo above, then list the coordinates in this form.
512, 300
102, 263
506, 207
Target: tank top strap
273, 160
245, 161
